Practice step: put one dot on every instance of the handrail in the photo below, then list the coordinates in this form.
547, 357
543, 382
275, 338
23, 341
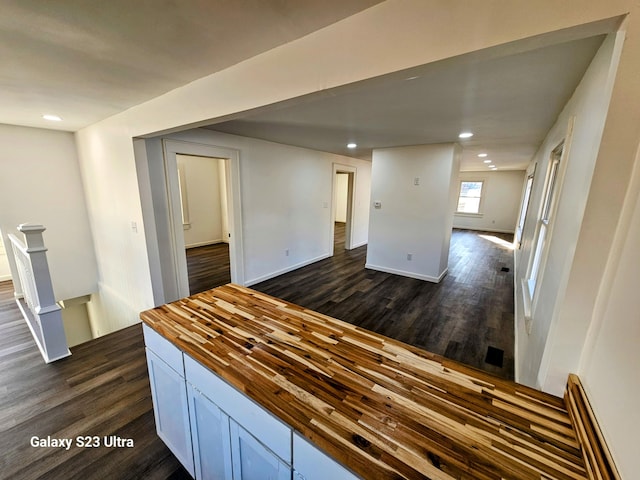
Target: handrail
34, 293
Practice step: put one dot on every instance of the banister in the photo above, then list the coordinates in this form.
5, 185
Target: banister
36, 298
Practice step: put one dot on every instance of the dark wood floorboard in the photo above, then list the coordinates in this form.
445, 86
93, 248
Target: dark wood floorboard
102, 389
470, 310
208, 267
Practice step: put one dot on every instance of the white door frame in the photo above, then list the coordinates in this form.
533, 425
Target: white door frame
351, 196
170, 149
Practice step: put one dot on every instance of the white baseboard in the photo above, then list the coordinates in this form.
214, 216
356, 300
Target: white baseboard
285, 270
358, 245
478, 229
204, 244
403, 273
4, 278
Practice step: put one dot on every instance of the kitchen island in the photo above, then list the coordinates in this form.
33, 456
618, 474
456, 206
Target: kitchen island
324, 399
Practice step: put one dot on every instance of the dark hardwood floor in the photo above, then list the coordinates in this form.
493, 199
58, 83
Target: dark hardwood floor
101, 390
208, 267
468, 316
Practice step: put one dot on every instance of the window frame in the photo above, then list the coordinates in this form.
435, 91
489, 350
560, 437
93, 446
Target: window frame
546, 218
479, 213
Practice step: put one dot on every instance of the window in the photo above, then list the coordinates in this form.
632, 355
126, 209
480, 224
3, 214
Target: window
469, 198
524, 207
545, 217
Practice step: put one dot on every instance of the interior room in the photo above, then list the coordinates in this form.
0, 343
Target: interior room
474, 199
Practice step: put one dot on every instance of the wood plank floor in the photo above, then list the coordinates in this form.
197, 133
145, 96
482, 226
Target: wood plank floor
208, 267
464, 315
102, 389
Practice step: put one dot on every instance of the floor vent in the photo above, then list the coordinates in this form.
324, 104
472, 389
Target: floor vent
495, 356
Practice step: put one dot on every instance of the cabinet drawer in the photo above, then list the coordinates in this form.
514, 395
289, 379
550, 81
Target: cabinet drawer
163, 348
274, 434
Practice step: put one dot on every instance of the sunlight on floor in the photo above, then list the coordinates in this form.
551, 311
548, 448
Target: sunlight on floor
498, 241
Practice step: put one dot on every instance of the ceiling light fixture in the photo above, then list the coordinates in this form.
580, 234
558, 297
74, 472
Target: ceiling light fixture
352, 145
412, 78
482, 155
466, 135
492, 166
52, 118
487, 161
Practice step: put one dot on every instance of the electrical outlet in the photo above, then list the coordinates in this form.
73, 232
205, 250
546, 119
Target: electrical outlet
409, 256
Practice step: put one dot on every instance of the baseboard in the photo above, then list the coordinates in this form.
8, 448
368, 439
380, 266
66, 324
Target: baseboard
403, 273
493, 230
358, 245
203, 244
596, 453
4, 278
285, 270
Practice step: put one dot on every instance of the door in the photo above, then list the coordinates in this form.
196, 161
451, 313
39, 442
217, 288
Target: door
210, 436
252, 460
170, 408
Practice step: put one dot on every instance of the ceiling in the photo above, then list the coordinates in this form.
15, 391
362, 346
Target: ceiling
509, 102
86, 60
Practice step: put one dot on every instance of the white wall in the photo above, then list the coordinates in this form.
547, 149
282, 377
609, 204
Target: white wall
201, 188
330, 57
286, 194
341, 197
40, 183
5, 272
609, 369
413, 219
501, 192
552, 349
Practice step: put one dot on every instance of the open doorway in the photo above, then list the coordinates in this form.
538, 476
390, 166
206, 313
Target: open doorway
342, 214
205, 220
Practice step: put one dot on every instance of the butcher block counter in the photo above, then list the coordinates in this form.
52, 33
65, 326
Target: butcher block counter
381, 408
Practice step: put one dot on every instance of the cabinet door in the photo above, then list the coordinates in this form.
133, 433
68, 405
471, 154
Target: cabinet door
210, 435
169, 394
252, 460
309, 463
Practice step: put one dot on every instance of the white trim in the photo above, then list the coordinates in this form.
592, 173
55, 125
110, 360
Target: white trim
358, 245
204, 244
403, 273
170, 149
516, 350
28, 316
493, 230
4, 278
277, 273
351, 207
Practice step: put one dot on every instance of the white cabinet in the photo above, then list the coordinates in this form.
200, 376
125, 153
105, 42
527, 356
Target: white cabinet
217, 432
252, 460
170, 408
269, 430
309, 463
211, 438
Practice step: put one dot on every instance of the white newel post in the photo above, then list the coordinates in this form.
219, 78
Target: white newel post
45, 320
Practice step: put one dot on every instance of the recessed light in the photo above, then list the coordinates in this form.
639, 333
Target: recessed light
412, 78
466, 135
352, 145
492, 166
52, 118
487, 161
482, 155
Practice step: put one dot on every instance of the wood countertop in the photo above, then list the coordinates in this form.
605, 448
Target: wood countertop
384, 409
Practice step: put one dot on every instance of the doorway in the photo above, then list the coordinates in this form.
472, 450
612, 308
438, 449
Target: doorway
161, 198
205, 220
342, 212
